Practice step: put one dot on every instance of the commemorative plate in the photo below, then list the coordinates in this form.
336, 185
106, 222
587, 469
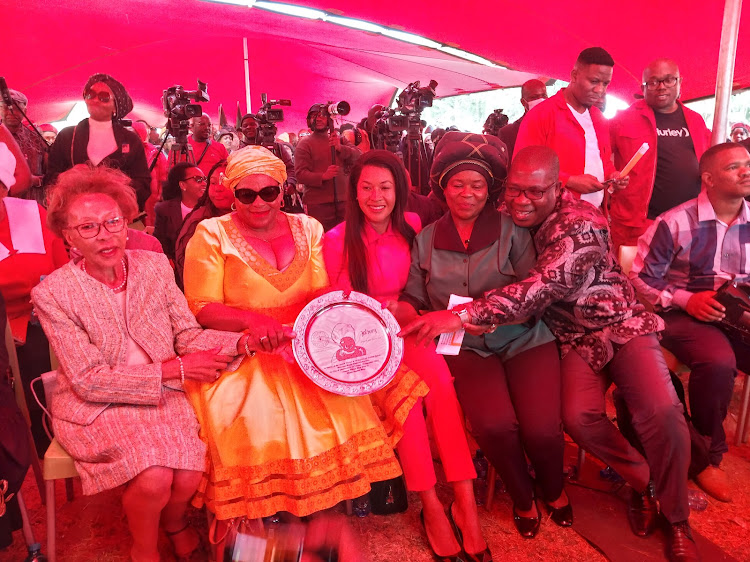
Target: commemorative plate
347, 343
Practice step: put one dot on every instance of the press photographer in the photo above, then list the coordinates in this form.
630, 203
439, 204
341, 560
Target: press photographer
322, 164
260, 129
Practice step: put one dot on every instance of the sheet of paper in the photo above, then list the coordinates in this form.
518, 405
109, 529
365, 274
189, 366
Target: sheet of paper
450, 343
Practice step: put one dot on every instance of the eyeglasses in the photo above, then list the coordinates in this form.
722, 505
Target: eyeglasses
533, 193
248, 196
103, 97
91, 229
668, 82
197, 179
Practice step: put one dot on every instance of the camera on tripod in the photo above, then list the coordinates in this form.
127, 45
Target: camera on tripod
266, 118
179, 110
494, 122
406, 117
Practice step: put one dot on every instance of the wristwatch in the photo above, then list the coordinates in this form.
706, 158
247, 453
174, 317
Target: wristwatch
463, 314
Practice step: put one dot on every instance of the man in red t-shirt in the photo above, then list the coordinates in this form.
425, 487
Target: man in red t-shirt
205, 151
570, 123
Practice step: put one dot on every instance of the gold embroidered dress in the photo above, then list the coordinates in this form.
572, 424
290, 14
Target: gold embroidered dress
276, 441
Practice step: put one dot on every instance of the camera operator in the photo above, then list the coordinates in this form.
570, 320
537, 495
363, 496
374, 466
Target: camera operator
102, 139
325, 182
205, 151
249, 130
33, 148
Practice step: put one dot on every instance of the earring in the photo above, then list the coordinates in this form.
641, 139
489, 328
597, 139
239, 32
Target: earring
233, 207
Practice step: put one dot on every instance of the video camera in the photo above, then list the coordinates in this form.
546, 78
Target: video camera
406, 117
266, 119
179, 110
494, 122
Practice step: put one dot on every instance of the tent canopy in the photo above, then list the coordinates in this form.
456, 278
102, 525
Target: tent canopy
51, 48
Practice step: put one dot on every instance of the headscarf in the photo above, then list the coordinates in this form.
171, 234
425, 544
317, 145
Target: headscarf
123, 102
140, 128
459, 151
252, 160
18, 97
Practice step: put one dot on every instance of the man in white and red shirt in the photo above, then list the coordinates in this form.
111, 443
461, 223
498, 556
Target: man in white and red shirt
570, 123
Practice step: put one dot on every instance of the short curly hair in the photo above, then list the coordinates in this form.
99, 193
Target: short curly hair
85, 179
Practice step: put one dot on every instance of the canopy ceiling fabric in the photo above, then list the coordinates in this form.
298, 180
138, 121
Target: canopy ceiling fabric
49, 49
544, 36
152, 45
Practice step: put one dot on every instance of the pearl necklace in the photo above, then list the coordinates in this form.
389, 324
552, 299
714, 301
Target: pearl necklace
124, 275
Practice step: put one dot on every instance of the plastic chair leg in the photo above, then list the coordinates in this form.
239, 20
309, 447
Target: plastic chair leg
491, 479
51, 552
28, 533
741, 433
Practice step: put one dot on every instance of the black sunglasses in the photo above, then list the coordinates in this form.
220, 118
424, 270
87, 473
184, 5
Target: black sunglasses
248, 196
103, 97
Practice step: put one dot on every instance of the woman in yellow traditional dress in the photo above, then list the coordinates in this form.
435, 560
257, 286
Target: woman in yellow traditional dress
276, 441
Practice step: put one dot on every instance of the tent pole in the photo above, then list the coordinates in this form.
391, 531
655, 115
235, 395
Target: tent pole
725, 73
247, 76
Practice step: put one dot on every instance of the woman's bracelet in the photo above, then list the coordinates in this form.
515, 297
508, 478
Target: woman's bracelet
182, 370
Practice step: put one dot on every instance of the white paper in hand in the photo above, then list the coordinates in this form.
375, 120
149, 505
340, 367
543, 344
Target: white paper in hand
450, 343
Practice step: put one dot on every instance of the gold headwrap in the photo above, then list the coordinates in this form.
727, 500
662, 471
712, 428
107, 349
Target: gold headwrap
252, 160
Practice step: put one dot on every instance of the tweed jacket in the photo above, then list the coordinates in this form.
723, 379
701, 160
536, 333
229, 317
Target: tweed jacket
86, 328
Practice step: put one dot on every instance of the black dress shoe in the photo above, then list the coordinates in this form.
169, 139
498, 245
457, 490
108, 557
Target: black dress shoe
682, 546
528, 527
642, 512
563, 516
484, 556
460, 556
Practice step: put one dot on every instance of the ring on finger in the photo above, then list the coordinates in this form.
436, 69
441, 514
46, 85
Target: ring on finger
264, 338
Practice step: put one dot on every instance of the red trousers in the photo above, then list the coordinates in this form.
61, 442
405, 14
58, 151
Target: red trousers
445, 419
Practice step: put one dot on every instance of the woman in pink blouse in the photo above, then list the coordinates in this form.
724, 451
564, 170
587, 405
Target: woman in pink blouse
370, 253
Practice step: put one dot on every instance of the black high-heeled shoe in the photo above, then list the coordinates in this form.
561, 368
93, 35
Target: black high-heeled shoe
528, 527
460, 556
563, 516
484, 556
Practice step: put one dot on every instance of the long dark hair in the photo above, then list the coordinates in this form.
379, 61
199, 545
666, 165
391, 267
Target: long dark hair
355, 252
205, 199
178, 173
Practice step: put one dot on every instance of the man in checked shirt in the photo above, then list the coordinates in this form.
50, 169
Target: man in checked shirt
683, 258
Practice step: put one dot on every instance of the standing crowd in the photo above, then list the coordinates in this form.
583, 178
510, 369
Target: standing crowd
176, 375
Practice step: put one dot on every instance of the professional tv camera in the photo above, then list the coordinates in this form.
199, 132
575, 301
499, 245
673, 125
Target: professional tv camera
179, 111
407, 116
267, 117
494, 122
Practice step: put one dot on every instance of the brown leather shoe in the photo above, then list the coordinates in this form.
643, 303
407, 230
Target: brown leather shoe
682, 546
713, 480
642, 512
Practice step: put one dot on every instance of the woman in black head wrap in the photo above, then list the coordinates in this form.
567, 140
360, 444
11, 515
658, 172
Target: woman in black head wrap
101, 139
507, 381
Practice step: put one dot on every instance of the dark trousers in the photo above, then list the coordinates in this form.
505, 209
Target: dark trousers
329, 214
33, 360
513, 407
642, 378
713, 359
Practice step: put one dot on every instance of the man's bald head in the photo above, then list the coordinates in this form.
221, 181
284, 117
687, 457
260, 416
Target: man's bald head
532, 90
661, 85
532, 187
536, 158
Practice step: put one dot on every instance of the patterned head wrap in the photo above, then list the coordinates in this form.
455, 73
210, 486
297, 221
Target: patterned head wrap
459, 151
123, 102
18, 97
252, 160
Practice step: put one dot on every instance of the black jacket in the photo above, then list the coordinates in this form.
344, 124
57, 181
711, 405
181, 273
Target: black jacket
129, 156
